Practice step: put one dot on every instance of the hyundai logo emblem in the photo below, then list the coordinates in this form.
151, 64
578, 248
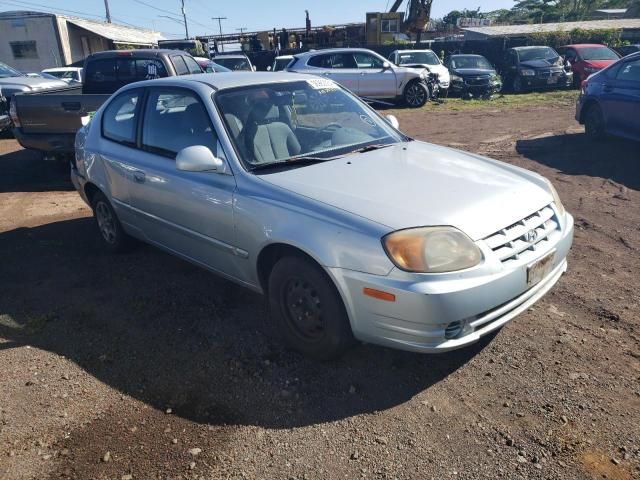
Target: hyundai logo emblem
531, 236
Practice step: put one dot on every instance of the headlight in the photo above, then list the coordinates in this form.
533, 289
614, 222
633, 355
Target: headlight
431, 250
556, 198
456, 78
527, 72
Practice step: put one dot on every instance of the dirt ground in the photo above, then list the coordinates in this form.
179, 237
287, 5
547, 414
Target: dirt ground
141, 366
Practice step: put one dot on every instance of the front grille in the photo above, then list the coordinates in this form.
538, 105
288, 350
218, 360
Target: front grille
526, 238
550, 72
477, 81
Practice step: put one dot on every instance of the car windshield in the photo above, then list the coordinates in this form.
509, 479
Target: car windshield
425, 58
598, 53
7, 71
470, 62
540, 53
233, 63
302, 121
281, 63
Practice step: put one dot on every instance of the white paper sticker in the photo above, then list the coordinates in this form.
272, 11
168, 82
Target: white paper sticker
322, 84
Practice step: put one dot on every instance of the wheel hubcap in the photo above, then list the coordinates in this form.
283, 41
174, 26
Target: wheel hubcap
106, 222
415, 95
303, 309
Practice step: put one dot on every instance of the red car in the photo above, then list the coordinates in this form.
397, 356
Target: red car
587, 59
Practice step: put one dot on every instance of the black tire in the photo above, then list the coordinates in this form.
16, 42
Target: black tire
307, 310
416, 94
516, 85
594, 123
111, 232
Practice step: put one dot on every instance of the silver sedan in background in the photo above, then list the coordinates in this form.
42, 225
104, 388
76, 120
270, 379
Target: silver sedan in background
352, 229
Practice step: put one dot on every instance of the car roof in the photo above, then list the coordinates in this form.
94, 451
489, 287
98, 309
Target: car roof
332, 50
283, 57
584, 45
230, 80
61, 69
139, 52
230, 55
465, 55
412, 50
531, 47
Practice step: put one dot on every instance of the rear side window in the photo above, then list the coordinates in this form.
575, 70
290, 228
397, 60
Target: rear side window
120, 118
192, 65
179, 65
109, 74
175, 119
320, 61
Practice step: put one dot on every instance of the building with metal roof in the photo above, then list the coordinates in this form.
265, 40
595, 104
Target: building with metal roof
31, 41
630, 29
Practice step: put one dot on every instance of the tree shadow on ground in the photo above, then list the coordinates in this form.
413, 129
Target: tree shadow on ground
574, 154
172, 335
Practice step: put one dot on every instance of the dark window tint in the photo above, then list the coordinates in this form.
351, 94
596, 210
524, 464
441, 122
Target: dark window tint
320, 61
630, 72
119, 118
179, 65
175, 119
192, 65
109, 74
343, 60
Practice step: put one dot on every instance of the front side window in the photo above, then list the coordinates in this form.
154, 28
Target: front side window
179, 65
368, 61
120, 118
630, 72
343, 60
192, 65
175, 119
314, 119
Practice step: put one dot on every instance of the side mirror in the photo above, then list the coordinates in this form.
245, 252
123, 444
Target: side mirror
198, 158
386, 66
269, 68
253, 68
393, 121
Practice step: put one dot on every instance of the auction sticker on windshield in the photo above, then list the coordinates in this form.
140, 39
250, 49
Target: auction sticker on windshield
322, 84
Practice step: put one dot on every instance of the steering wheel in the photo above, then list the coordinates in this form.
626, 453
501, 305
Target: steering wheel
331, 128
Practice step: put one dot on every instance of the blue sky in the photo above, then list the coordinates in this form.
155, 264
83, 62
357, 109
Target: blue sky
250, 14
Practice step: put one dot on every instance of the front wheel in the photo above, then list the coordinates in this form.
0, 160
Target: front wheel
307, 309
517, 86
416, 94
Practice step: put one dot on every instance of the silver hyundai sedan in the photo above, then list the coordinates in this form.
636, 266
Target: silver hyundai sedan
352, 229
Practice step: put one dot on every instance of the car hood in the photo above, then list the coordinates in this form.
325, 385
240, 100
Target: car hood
540, 63
469, 72
418, 184
34, 83
600, 64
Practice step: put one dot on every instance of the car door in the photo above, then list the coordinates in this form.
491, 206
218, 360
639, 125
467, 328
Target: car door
622, 94
118, 147
375, 80
188, 213
339, 67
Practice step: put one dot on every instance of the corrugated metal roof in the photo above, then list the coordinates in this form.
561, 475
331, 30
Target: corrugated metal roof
117, 33
518, 30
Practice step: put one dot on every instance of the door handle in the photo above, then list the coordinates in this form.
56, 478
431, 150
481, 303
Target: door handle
139, 177
71, 106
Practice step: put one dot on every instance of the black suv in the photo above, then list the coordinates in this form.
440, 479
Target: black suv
472, 76
535, 68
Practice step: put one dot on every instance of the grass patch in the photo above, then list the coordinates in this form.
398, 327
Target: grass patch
555, 98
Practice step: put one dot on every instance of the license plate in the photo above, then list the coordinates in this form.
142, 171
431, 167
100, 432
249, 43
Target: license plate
552, 80
540, 269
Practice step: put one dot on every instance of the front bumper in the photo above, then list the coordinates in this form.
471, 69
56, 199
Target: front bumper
423, 310
5, 122
541, 82
461, 88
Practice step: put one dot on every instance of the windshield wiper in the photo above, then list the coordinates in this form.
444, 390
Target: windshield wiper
295, 161
371, 148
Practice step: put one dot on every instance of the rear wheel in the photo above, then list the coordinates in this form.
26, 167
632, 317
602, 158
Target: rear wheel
112, 234
416, 94
307, 309
594, 123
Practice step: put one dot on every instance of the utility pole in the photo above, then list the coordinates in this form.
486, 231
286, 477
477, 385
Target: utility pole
106, 9
220, 27
184, 16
